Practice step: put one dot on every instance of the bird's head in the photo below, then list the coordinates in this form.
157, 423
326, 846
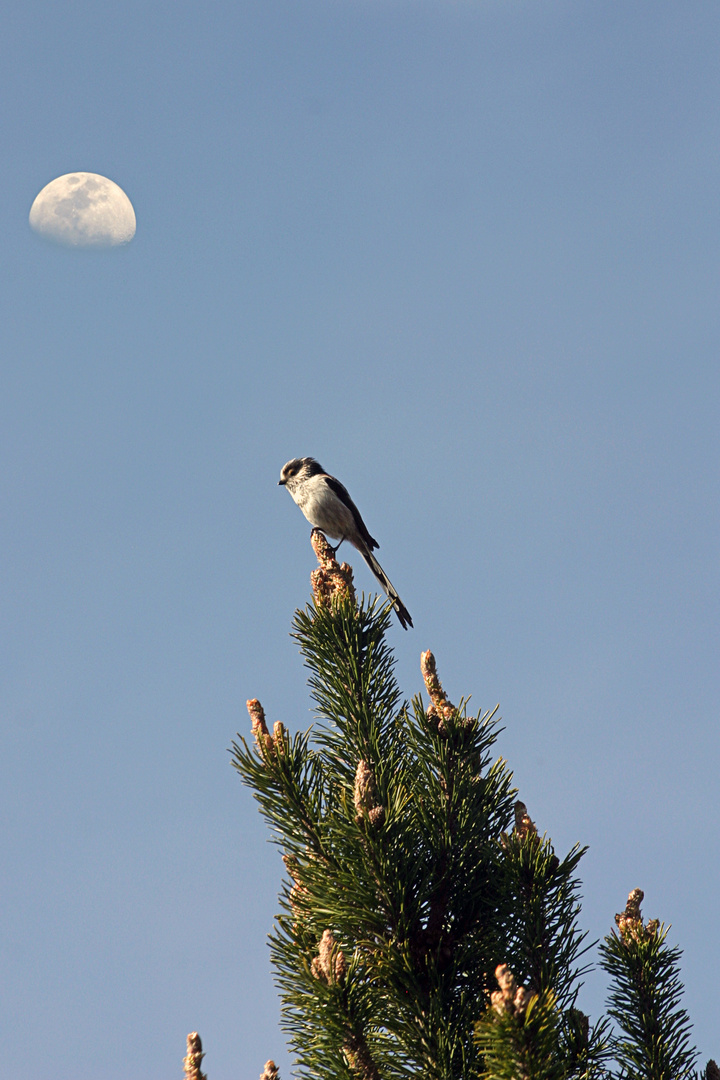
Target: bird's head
299, 469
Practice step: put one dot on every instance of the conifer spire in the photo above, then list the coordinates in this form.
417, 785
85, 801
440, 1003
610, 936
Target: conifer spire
413, 873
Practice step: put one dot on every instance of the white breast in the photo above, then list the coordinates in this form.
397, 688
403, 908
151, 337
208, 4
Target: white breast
323, 509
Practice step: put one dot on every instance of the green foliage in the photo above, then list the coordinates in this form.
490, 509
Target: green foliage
389, 823
524, 1036
544, 942
407, 893
524, 1042
644, 1000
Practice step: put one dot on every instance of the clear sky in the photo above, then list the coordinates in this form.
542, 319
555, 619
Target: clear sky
465, 253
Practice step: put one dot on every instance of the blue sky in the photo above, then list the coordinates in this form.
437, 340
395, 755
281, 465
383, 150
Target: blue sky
466, 254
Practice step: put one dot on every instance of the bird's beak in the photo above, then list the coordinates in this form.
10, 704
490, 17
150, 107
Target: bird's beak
282, 483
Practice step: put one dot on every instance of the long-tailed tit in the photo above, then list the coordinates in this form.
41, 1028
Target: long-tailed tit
328, 507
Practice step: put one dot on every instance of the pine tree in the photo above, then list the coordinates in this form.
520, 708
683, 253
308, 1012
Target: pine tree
410, 897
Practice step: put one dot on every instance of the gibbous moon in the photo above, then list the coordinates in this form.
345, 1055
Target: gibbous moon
83, 209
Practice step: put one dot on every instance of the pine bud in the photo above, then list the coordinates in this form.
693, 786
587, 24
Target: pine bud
365, 795
441, 708
510, 998
263, 738
329, 965
524, 825
331, 581
194, 1057
630, 923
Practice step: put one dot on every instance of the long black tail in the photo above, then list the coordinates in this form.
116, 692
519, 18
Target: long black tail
388, 588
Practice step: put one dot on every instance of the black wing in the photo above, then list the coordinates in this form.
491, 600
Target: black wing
341, 492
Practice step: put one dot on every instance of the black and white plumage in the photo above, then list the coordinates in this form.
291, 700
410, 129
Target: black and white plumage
328, 507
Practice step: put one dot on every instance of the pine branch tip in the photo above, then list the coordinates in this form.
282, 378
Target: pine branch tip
510, 998
366, 797
524, 825
193, 1060
332, 582
441, 708
330, 965
263, 739
630, 921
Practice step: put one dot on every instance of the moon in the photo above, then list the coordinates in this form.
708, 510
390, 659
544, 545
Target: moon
83, 209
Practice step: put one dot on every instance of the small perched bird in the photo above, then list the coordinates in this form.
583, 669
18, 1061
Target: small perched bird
328, 507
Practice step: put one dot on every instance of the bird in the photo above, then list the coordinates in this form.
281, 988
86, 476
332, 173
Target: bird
326, 504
